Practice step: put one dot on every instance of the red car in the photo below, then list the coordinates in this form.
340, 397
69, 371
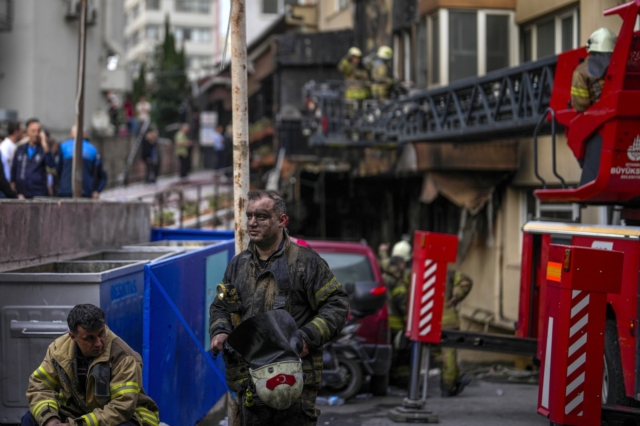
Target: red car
355, 262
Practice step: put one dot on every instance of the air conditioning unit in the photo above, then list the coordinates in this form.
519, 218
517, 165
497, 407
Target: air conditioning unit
74, 7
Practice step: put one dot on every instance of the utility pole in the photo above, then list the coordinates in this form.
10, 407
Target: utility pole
240, 120
76, 176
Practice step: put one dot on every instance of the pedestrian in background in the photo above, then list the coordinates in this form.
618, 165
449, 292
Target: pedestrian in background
143, 109
151, 155
5, 186
32, 164
219, 145
94, 178
183, 143
129, 116
8, 146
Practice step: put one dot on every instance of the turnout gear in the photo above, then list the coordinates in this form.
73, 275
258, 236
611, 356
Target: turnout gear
588, 81
396, 279
381, 78
457, 288
297, 280
355, 76
601, 40
113, 395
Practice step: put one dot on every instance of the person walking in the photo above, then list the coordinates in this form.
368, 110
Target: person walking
8, 146
89, 376
33, 164
183, 143
275, 273
94, 178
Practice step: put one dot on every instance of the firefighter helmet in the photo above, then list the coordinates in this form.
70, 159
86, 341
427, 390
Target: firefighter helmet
385, 52
354, 51
278, 384
602, 40
402, 249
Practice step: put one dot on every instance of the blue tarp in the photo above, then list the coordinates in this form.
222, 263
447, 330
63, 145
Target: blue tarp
179, 373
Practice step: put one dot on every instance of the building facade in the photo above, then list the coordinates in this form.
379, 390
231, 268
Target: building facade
39, 60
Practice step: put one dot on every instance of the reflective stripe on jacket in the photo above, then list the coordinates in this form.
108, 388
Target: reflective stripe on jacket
114, 393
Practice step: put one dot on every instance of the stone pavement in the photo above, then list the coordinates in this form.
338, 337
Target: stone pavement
481, 404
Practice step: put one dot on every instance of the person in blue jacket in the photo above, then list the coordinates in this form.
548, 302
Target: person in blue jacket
94, 177
33, 164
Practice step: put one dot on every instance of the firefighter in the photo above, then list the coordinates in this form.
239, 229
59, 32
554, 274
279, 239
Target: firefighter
381, 78
275, 273
588, 77
397, 284
355, 75
586, 88
458, 286
89, 376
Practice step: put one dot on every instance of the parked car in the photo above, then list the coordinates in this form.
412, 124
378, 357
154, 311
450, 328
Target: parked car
356, 263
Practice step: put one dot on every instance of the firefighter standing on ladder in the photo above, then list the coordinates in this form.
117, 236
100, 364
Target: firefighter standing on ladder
381, 74
355, 75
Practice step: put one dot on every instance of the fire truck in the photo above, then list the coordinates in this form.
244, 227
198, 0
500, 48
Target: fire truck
513, 102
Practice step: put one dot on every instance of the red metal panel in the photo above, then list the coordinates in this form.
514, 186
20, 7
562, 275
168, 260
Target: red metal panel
431, 253
525, 307
575, 305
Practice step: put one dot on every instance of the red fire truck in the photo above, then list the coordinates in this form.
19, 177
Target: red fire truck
613, 122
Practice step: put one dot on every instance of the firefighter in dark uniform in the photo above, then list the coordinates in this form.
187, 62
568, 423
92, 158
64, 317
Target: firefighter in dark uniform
275, 273
382, 80
586, 88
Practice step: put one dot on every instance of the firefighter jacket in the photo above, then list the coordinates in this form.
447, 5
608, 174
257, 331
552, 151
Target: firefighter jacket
587, 82
395, 279
356, 79
294, 278
114, 393
382, 80
458, 287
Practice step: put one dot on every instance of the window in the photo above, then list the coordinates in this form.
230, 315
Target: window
342, 4
193, 62
422, 57
153, 32
549, 36
193, 6
349, 267
278, 6
545, 39
435, 50
497, 42
197, 35
463, 45
153, 4
468, 43
135, 12
270, 6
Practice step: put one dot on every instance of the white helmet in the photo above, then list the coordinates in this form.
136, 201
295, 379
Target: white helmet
385, 52
402, 249
279, 384
602, 40
354, 51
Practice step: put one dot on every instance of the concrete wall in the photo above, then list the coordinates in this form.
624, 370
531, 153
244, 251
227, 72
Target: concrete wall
40, 231
332, 19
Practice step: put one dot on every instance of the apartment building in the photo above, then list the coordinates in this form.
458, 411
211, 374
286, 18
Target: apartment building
195, 25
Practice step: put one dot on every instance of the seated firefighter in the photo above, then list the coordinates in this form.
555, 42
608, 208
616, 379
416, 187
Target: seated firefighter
355, 75
89, 377
586, 88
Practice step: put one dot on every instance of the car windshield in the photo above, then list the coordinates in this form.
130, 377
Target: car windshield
349, 267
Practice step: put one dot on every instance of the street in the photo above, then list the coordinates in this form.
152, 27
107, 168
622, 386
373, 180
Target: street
482, 403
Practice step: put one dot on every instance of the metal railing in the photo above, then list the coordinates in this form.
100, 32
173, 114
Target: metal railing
504, 103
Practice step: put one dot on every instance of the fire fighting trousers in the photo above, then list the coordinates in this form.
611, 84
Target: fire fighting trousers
29, 420
303, 412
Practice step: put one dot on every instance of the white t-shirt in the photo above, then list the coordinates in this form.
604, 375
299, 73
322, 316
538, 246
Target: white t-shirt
143, 109
7, 150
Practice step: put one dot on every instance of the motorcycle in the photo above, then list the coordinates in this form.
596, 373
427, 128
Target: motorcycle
345, 362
